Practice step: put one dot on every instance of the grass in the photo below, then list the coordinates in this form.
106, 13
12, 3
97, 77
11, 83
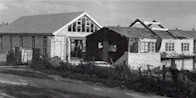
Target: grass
92, 79
26, 73
36, 92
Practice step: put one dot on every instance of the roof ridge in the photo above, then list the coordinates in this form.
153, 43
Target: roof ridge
52, 14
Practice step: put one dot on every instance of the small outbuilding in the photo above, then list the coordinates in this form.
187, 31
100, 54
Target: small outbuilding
123, 45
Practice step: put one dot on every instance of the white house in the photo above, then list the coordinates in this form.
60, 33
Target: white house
176, 47
60, 34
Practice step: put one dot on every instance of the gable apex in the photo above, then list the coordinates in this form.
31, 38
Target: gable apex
80, 16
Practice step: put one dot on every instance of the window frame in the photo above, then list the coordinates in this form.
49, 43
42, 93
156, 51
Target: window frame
83, 24
21, 41
45, 45
185, 46
146, 47
11, 42
169, 46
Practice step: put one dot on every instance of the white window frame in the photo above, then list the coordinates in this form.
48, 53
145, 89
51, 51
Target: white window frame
79, 26
169, 46
146, 47
185, 46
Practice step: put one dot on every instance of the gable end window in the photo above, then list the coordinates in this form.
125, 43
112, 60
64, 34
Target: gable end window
84, 24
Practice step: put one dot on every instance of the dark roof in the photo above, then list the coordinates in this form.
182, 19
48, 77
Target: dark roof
133, 32
163, 34
2, 25
183, 33
47, 23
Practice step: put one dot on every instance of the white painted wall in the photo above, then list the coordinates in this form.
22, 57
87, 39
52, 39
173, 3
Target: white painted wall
188, 63
177, 46
136, 60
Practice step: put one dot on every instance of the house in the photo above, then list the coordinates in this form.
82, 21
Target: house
123, 45
60, 34
140, 47
176, 47
188, 49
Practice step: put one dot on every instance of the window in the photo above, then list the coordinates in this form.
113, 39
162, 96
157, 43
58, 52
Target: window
83, 24
21, 41
112, 48
169, 47
1, 43
33, 41
147, 47
11, 42
44, 45
77, 48
185, 46
194, 48
151, 46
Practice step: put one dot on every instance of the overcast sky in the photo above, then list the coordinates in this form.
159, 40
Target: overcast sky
172, 14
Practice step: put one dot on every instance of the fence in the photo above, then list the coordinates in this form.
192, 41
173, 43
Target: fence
20, 55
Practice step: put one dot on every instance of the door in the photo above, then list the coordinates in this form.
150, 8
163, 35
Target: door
58, 48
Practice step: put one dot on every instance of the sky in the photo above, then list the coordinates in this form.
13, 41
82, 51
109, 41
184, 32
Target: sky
171, 14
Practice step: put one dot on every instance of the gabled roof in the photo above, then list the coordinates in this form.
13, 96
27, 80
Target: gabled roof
133, 32
41, 24
163, 34
160, 33
183, 33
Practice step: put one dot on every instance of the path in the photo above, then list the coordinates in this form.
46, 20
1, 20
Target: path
73, 86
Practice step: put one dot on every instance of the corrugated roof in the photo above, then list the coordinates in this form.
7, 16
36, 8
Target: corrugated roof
133, 32
183, 33
47, 23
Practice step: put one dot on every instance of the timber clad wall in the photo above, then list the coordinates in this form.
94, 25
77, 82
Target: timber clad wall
27, 42
113, 39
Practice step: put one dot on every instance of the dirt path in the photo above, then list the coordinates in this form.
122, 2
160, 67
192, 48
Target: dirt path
73, 86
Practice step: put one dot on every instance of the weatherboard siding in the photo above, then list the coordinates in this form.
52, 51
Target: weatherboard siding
27, 42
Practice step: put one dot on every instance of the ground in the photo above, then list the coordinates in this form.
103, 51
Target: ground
13, 85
